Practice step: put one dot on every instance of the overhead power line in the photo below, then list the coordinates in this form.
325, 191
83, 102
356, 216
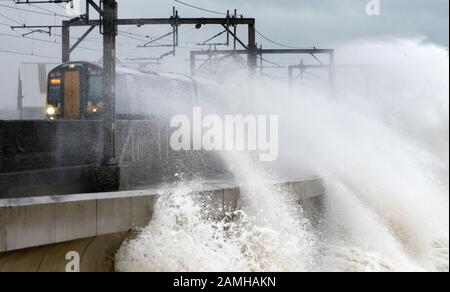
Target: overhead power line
55, 42
279, 44
47, 10
28, 54
10, 19
259, 33
200, 8
34, 11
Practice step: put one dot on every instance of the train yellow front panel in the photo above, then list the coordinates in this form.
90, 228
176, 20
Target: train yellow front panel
72, 95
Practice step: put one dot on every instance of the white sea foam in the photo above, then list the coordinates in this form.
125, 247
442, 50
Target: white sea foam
381, 144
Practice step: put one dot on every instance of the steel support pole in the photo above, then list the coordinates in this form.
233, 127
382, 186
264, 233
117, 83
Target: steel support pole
65, 42
252, 48
193, 63
291, 76
109, 80
332, 72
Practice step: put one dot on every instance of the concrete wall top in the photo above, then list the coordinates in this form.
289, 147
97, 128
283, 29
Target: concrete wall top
39, 221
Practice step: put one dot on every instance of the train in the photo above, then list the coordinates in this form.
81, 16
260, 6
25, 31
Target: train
145, 103
75, 93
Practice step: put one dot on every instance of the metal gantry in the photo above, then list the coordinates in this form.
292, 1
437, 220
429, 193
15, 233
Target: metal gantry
330, 67
108, 23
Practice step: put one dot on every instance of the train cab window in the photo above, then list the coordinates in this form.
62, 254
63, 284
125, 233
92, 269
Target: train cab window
54, 94
54, 89
95, 91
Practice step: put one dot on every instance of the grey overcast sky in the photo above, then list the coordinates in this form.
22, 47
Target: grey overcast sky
302, 23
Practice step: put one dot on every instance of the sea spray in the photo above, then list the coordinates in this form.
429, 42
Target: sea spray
182, 237
381, 146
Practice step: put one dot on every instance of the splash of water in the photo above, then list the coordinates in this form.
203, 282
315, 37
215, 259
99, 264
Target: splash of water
381, 144
182, 237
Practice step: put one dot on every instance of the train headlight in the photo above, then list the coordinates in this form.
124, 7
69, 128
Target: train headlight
55, 81
94, 108
51, 110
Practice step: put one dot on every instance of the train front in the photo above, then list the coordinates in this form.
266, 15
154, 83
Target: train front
75, 92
